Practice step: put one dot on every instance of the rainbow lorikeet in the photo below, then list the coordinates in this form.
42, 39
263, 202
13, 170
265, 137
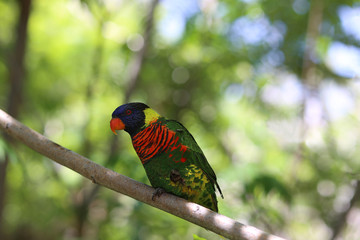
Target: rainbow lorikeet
172, 159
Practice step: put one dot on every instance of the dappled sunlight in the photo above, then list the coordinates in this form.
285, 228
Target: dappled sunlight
344, 60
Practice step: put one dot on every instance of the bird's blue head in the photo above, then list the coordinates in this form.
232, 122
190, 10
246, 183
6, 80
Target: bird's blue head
131, 117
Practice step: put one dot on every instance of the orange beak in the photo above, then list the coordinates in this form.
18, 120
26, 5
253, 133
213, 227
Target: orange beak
116, 124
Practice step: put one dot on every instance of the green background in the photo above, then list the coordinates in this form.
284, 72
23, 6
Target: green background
258, 83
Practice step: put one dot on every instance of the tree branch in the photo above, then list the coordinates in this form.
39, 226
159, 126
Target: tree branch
177, 206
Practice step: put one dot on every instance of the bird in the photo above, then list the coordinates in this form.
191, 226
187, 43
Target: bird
173, 161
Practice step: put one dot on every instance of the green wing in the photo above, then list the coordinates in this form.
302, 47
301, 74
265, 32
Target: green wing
199, 158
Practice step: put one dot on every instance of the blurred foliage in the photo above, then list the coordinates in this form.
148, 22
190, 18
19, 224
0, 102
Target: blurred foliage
286, 152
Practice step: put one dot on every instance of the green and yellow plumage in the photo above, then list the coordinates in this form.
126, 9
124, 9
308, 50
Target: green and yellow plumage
172, 159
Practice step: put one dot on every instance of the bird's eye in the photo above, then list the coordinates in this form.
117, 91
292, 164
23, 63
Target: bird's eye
128, 112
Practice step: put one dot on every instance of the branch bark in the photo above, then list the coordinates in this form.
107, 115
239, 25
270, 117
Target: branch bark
191, 212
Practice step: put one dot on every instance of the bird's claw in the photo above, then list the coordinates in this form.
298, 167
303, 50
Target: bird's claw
157, 193
93, 179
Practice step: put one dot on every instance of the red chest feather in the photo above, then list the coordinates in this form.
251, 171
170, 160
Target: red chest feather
155, 139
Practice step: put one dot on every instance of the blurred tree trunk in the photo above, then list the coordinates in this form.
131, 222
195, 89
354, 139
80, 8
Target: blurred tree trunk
340, 221
16, 60
16, 81
137, 62
83, 197
308, 74
134, 69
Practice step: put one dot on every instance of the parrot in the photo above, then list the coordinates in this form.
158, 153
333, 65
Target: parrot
173, 161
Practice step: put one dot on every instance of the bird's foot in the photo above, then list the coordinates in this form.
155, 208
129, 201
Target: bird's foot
157, 193
175, 176
93, 179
